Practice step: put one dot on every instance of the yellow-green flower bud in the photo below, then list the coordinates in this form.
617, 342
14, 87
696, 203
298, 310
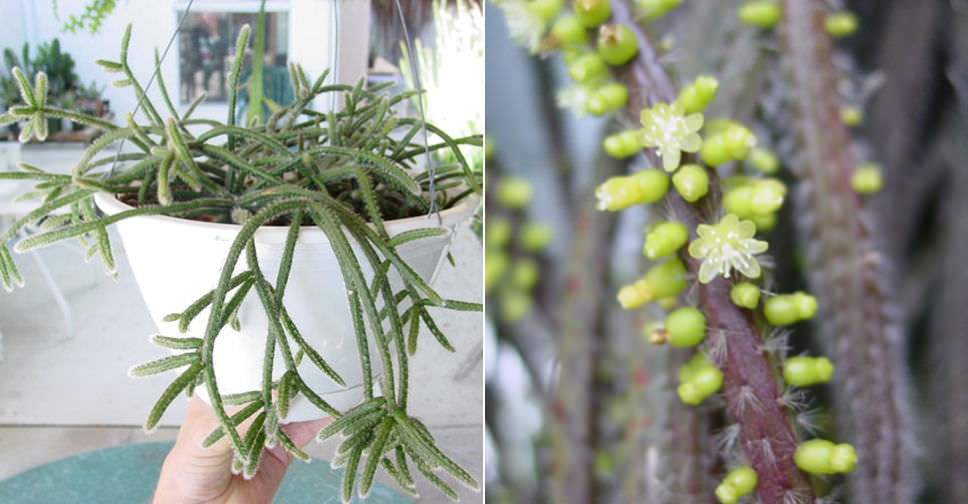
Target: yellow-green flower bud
739, 201
703, 383
623, 144
515, 304
745, 295
618, 193
691, 182
654, 9
736, 484
781, 310
664, 239
801, 371
524, 274
767, 196
663, 280
738, 141
764, 222
806, 305
763, 160
762, 14
495, 264
698, 95
535, 237
497, 232
514, 192
841, 24
685, 327
713, 151
851, 115
607, 98
819, 456
867, 179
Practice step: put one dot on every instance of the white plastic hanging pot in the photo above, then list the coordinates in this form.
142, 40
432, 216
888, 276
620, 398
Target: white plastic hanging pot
176, 261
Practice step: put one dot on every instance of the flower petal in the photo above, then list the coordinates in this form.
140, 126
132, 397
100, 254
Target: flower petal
694, 122
692, 143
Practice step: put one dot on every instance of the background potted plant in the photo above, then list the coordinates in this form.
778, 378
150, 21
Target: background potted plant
309, 199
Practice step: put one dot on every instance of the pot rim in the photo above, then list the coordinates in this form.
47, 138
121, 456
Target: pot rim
450, 218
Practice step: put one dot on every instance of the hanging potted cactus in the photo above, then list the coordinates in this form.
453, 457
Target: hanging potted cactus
287, 263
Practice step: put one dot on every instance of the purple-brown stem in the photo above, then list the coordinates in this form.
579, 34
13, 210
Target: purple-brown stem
753, 394
847, 272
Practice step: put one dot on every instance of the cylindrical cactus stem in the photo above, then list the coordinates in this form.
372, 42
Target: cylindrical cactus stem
571, 411
848, 274
750, 385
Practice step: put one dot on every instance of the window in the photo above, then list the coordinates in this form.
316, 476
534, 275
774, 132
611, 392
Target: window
207, 47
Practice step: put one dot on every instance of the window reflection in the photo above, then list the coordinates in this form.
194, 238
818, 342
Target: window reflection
207, 48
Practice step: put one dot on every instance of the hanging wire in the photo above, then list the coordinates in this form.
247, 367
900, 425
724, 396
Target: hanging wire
414, 64
188, 8
335, 35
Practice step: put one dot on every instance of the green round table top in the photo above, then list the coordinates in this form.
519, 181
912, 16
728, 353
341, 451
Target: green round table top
127, 474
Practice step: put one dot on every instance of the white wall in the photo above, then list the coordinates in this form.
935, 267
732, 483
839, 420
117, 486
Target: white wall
13, 33
153, 23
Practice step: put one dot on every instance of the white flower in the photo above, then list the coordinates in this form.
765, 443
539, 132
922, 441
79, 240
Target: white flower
525, 24
727, 245
666, 127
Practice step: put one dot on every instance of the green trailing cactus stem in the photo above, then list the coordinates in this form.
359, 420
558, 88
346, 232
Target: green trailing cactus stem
344, 172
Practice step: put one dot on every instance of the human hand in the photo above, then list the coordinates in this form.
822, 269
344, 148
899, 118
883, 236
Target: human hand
192, 474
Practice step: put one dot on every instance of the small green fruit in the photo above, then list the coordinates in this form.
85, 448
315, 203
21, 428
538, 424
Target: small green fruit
592, 13
569, 32
762, 14
547, 9
588, 68
745, 295
617, 44
691, 182
841, 24
686, 327
664, 239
